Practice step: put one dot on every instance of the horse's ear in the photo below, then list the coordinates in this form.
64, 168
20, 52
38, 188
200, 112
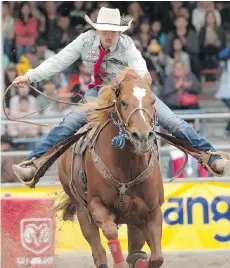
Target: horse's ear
117, 91
148, 79
120, 77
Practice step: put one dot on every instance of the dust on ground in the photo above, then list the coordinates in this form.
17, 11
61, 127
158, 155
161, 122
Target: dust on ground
213, 259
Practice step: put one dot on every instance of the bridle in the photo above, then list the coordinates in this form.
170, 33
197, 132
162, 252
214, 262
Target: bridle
123, 124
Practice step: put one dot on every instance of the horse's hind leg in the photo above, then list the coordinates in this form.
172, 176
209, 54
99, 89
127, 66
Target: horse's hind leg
153, 233
91, 234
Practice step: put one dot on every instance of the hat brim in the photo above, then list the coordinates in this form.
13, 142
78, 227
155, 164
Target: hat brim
108, 27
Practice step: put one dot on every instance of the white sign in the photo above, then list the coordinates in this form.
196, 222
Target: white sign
34, 261
36, 234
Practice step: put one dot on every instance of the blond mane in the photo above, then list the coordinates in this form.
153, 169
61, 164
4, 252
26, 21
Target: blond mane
107, 96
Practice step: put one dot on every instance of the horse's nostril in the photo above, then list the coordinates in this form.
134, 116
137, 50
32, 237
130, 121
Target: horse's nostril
135, 136
151, 135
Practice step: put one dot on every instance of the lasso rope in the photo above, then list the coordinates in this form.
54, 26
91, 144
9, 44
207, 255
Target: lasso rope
18, 119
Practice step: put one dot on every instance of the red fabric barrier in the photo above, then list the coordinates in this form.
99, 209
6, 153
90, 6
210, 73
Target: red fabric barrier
28, 232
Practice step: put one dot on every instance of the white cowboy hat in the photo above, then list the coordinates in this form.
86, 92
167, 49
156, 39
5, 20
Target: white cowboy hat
109, 19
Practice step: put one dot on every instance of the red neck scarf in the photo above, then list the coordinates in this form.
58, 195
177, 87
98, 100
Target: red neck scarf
97, 67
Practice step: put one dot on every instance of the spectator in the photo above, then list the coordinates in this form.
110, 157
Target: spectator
169, 17
185, 12
198, 14
61, 79
156, 32
6, 144
49, 89
145, 27
101, 4
10, 75
144, 39
34, 9
80, 82
26, 61
7, 30
13, 7
189, 40
224, 9
79, 24
177, 54
6, 62
42, 23
78, 13
25, 29
212, 40
15, 101
94, 14
22, 130
223, 92
7, 173
65, 96
59, 109
157, 57
181, 88
51, 11
133, 30
89, 6
42, 51
136, 12
60, 36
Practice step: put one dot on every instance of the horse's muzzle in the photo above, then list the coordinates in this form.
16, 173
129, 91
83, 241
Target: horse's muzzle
143, 141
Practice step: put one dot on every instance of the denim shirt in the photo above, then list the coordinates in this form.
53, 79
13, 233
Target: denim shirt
86, 46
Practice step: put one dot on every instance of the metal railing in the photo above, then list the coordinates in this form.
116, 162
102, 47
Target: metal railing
163, 149
57, 184
43, 120
187, 115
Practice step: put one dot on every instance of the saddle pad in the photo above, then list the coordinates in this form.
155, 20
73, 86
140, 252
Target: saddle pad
84, 141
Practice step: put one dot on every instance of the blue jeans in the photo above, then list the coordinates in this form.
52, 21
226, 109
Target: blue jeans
166, 118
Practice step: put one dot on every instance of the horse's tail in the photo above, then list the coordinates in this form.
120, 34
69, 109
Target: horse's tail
67, 206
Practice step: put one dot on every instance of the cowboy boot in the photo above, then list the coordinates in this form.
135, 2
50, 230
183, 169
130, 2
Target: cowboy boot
220, 166
25, 173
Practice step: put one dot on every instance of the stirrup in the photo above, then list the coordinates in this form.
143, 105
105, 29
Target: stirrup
32, 182
205, 158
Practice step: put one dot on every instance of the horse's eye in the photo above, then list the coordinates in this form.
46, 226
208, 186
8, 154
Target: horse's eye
153, 102
124, 104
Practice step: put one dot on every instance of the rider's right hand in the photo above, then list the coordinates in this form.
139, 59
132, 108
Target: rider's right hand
21, 81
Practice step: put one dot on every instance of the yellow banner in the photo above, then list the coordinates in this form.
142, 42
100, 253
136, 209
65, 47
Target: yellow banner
196, 217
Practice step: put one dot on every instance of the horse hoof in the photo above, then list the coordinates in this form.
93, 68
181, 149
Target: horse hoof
156, 263
137, 259
103, 266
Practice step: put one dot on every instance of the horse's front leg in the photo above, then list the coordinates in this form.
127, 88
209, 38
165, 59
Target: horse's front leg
153, 233
91, 234
104, 218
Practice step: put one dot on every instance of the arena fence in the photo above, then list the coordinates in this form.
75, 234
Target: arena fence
196, 215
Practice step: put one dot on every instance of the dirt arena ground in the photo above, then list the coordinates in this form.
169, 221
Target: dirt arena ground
176, 260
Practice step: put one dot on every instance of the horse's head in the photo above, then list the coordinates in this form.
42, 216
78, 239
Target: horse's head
134, 109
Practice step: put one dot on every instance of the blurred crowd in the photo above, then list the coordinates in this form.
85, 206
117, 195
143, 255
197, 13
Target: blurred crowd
177, 39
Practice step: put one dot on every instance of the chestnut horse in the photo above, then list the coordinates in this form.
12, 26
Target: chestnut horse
124, 184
